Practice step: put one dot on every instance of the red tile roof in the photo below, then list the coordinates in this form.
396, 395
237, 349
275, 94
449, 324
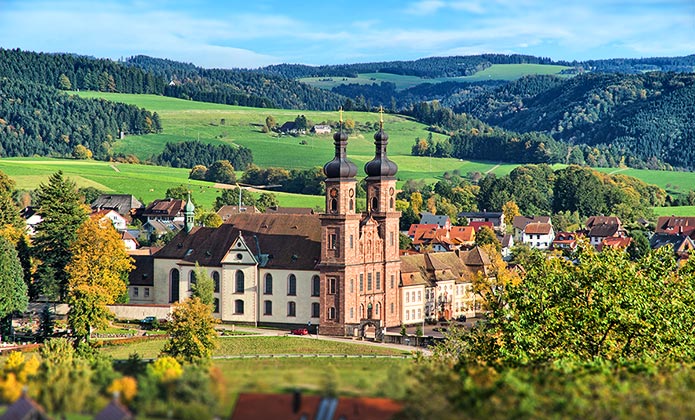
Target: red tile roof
478, 225
538, 228
287, 407
676, 225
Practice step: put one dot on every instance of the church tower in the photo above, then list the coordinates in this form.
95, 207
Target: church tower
360, 264
381, 208
339, 234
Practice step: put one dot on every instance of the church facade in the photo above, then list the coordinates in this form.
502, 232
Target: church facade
340, 269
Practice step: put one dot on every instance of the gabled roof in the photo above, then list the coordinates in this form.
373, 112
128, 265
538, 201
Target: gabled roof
507, 241
225, 211
114, 411
161, 227
479, 225
680, 243
602, 220
122, 203
289, 241
100, 214
168, 207
462, 233
289, 210
604, 230
24, 408
538, 228
420, 227
27, 212
520, 222
312, 407
481, 214
143, 273
614, 242
438, 219
675, 225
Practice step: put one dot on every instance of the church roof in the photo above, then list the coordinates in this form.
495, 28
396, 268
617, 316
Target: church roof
289, 241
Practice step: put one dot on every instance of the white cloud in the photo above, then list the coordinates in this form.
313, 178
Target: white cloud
424, 7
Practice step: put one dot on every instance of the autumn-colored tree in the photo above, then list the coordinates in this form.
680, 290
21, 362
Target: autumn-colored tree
486, 236
432, 204
64, 378
81, 152
510, 210
165, 369
416, 201
198, 172
127, 388
16, 373
98, 275
191, 332
12, 226
491, 284
208, 218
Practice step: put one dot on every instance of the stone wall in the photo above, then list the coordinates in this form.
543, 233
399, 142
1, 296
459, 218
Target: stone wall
140, 311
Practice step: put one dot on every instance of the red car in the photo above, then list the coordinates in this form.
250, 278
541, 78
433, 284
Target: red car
300, 331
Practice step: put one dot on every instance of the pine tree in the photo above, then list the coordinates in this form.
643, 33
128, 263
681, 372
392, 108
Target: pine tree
13, 290
60, 206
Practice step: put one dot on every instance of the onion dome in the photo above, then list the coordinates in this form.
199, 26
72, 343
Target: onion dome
340, 166
380, 166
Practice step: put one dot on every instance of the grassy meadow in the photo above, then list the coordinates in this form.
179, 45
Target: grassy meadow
145, 182
189, 120
494, 72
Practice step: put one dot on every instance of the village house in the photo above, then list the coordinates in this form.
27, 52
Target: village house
599, 232
565, 241
166, 210
538, 235
119, 222
519, 223
495, 217
321, 129
682, 245
676, 225
31, 219
440, 220
124, 204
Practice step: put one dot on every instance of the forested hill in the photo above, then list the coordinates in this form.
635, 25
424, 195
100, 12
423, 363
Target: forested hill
205, 84
454, 66
646, 117
40, 120
148, 75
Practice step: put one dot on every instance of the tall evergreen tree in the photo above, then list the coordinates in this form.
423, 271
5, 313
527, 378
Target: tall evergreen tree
13, 291
61, 208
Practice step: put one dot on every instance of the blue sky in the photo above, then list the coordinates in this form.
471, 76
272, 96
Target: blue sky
255, 33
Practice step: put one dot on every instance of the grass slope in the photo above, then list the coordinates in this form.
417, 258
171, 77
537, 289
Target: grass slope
494, 72
145, 182
189, 120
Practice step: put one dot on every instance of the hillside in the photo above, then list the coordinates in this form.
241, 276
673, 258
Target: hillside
145, 182
644, 118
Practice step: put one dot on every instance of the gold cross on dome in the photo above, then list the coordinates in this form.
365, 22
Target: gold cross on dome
381, 116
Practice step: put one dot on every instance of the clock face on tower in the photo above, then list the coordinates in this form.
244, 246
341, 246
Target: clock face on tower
333, 192
391, 191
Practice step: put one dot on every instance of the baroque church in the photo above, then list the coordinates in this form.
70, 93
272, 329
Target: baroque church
339, 270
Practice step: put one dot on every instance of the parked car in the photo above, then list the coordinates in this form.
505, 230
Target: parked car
149, 323
300, 331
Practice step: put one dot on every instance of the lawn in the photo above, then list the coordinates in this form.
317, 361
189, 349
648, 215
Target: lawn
239, 346
494, 72
675, 211
673, 182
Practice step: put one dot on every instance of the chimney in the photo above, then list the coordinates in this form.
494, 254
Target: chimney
296, 401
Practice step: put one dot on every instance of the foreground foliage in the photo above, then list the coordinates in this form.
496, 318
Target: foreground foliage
597, 336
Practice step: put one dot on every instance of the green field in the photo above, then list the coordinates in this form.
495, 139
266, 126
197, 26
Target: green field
673, 182
187, 120
494, 72
145, 182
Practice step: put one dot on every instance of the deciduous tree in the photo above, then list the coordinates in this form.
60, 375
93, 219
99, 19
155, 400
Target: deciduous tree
97, 274
204, 287
191, 332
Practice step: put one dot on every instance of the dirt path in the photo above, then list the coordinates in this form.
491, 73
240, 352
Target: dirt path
115, 168
492, 169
